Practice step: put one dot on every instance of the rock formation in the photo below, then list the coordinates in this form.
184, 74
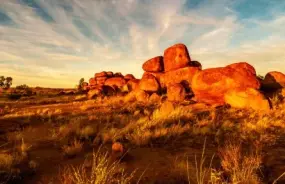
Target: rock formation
177, 76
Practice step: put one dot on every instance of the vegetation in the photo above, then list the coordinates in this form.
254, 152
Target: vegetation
5, 82
70, 141
80, 84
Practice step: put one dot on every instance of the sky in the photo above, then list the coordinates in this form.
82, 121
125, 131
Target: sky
54, 43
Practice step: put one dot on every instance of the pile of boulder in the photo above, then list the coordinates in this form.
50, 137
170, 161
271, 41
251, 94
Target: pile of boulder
107, 83
178, 77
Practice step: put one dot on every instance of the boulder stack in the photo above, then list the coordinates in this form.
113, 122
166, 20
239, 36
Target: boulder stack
177, 76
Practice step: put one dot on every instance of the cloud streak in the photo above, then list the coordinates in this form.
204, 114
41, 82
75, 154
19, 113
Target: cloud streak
55, 43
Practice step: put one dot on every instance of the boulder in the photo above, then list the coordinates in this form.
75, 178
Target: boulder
242, 66
108, 90
157, 75
175, 57
133, 84
149, 83
196, 64
110, 74
94, 92
273, 81
154, 98
141, 96
101, 74
92, 82
84, 84
247, 98
129, 77
182, 75
118, 74
210, 85
115, 82
100, 80
117, 150
176, 93
153, 65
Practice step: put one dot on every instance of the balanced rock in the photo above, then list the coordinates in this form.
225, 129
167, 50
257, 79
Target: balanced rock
247, 98
182, 75
210, 85
273, 80
176, 56
176, 93
153, 65
129, 77
101, 74
149, 83
115, 82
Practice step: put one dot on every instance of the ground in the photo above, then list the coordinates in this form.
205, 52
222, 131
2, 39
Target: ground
55, 138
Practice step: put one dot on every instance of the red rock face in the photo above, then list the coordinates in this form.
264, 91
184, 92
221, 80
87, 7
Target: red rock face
210, 85
101, 74
176, 93
182, 75
153, 65
273, 80
175, 57
129, 77
149, 83
115, 82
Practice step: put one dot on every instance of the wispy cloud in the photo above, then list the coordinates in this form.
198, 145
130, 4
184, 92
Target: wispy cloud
54, 43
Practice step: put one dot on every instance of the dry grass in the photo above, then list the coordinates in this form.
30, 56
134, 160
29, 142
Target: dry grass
102, 172
73, 149
239, 167
6, 161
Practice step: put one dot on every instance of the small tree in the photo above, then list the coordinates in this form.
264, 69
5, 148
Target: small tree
5, 83
80, 84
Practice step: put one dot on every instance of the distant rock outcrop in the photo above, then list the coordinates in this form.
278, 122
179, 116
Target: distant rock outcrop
175, 76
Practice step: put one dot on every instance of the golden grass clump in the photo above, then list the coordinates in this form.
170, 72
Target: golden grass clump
240, 168
73, 149
6, 161
103, 171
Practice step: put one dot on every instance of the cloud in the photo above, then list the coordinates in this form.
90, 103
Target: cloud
55, 43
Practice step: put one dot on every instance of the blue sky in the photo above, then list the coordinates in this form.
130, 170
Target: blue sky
53, 43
